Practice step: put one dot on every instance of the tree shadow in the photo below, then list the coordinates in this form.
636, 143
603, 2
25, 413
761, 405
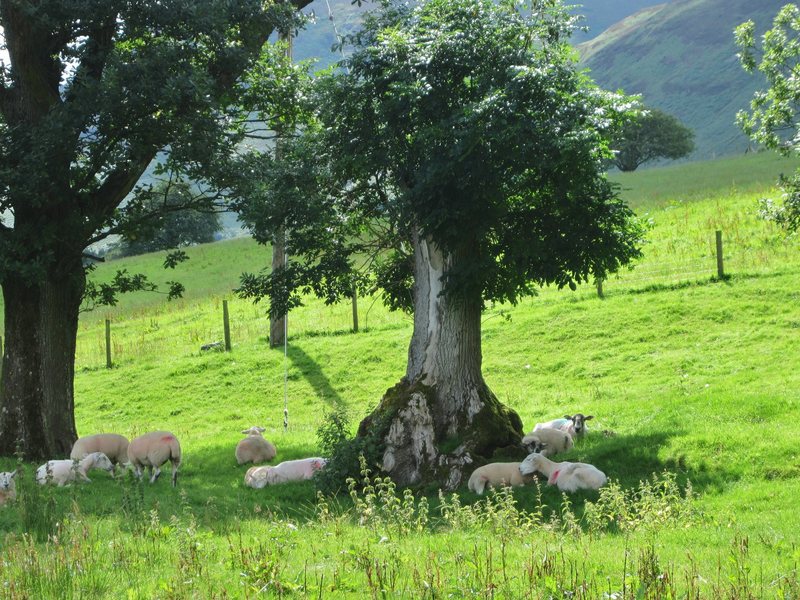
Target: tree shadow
312, 372
629, 460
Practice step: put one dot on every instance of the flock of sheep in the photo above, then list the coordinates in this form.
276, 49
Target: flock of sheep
152, 450
545, 440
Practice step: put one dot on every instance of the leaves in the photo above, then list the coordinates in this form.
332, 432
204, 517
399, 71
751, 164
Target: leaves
772, 119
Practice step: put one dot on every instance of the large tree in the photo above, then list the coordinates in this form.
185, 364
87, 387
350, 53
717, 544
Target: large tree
651, 135
460, 156
773, 118
91, 92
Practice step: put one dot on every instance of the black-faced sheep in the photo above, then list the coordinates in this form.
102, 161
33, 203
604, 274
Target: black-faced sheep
567, 476
254, 448
574, 425
495, 474
548, 442
62, 472
152, 450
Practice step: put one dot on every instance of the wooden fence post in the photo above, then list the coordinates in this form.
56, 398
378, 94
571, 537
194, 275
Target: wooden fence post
599, 283
226, 326
108, 344
720, 266
355, 310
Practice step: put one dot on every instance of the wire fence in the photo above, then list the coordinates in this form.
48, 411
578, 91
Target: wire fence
186, 327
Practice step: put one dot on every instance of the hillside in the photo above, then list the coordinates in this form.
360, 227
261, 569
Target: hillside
682, 371
681, 57
315, 41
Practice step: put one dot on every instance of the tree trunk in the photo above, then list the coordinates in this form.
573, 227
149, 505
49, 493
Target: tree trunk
277, 324
36, 395
441, 418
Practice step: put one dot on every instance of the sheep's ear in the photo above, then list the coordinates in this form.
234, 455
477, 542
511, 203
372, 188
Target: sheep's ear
568, 418
13, 474
589, 418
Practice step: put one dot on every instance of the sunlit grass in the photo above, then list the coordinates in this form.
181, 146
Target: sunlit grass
685, 374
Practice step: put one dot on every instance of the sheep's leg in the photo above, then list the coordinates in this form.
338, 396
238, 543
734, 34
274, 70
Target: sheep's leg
156, 473
83, 477
137, 469
174, 475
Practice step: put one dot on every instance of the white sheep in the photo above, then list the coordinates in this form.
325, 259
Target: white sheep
8, 488
113, 445
548, 441
254, 448
152, 450
289, 470
62, 472
574, 425
567, 476
495, 474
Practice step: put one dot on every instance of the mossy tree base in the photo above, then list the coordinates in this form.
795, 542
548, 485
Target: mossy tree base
427, 445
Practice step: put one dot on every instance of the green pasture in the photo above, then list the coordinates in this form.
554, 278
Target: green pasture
692, 380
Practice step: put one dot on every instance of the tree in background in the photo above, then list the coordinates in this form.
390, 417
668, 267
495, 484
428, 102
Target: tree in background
651, 135
91, 92
459, 161
773, 117
173, 225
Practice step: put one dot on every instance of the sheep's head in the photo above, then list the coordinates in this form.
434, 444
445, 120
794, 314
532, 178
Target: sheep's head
531, 464
579, 422
254, 430
101, 461
318, 464
533, 443
7, 480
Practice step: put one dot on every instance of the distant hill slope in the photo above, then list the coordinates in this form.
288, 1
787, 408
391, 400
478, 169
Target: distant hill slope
316, 39
602, 14
682, 58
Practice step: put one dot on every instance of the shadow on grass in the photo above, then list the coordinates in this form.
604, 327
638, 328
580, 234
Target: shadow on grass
313, 373
212, 490
727, 279
629, 460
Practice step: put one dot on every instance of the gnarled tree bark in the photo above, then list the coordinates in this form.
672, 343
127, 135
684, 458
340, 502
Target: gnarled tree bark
442, 416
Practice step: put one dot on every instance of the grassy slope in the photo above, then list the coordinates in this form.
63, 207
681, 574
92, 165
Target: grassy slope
683, 374
682, 59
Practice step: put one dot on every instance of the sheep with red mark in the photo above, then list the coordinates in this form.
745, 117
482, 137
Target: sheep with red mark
152, 450
567, 476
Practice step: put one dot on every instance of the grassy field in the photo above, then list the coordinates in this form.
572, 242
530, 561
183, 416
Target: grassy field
693, 382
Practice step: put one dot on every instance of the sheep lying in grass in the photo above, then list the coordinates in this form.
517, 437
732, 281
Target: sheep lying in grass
152, 450
574, 425
8, 489
567, 476
113, 445
495, 474
62, 472
254, 448
548, 441
289, 470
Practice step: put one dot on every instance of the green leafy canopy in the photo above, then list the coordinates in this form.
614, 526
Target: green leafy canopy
464, 121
